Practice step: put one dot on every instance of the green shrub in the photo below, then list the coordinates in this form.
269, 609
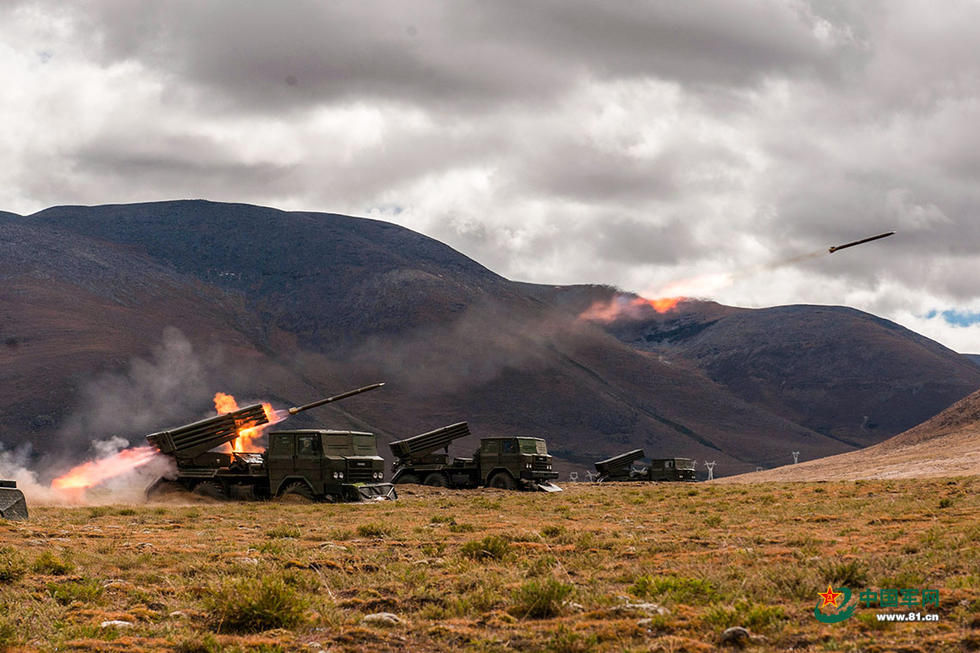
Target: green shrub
539, 599
754, 616
375, 530
12, 566
851, 573
283, 531
553, 531
8, 634
48, 563
677, 588
252, 605
87, 590
492, 547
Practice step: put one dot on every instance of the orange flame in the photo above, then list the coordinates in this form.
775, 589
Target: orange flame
94, 472
226, 403
621, 306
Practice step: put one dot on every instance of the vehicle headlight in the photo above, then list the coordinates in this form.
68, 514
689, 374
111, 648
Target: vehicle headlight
527, 465
335, 474
340, 474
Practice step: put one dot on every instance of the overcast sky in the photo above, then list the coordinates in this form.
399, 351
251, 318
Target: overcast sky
664, 147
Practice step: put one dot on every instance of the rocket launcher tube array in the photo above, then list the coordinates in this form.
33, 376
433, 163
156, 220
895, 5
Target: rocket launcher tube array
420, 445
621, 461
193, 439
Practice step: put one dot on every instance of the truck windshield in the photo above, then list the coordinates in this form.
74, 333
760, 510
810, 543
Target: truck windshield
685, 463
533, 445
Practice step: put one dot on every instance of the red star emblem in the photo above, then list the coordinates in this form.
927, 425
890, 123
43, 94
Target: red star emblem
830, 597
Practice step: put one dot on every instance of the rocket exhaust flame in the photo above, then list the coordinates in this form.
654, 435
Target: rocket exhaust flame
667, 298
94, 472
225, 403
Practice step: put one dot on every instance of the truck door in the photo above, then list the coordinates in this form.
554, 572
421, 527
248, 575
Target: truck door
280, 458
308, 462
489, 457
510, 457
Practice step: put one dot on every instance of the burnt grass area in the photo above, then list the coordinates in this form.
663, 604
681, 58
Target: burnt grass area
627, 567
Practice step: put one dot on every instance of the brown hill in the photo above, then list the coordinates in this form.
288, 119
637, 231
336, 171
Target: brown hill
838, 371
946, 445
120, 320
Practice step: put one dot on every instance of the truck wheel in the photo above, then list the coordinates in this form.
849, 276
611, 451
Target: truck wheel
502, 481
210, 489
297, 492
408, 478
163, 489
435, 479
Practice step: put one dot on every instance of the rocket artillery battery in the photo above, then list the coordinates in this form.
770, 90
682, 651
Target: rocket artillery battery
12, 502
506, 463
633, 466
312, 464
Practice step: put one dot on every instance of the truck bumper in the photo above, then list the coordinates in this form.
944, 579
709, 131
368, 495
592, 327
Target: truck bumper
540, 481
12, 504
371, 492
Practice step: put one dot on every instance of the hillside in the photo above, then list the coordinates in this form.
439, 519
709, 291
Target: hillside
835, 370
120, 320
945, 445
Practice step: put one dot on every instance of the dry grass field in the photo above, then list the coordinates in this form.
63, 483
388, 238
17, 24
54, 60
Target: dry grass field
629, 567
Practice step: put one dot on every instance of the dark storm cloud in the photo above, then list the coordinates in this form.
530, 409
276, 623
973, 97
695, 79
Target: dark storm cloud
279, 55
552, 140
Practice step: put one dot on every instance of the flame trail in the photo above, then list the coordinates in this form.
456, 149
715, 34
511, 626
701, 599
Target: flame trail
94, 472
667, 298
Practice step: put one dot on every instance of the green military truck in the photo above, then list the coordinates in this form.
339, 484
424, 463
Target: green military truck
507, 463
306, 464
635, 466
12, 503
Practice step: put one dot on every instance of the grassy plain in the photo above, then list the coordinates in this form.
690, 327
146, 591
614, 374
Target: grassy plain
628, 567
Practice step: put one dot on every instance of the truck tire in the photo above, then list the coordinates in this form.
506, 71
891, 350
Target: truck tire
210, 489
297, 492
408, 478
164, 488
436, 479
502, 481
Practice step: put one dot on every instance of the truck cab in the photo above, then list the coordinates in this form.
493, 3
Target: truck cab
327, 464
663, 469
508, 462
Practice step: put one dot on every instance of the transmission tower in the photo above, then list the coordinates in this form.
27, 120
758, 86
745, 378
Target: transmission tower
796, 457
711, 469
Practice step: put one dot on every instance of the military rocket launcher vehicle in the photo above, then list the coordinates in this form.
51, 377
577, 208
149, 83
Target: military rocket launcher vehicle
312, 464
506, 463
12, 502
635, 466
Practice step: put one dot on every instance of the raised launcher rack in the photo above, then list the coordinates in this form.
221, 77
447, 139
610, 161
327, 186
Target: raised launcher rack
618, 467
188, 442
12, 502
419, 449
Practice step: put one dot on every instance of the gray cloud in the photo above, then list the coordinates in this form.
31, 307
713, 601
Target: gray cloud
554, 141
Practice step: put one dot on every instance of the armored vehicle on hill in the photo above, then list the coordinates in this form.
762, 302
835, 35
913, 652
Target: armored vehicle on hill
311, 464
635, 466
508, 463
12, 502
